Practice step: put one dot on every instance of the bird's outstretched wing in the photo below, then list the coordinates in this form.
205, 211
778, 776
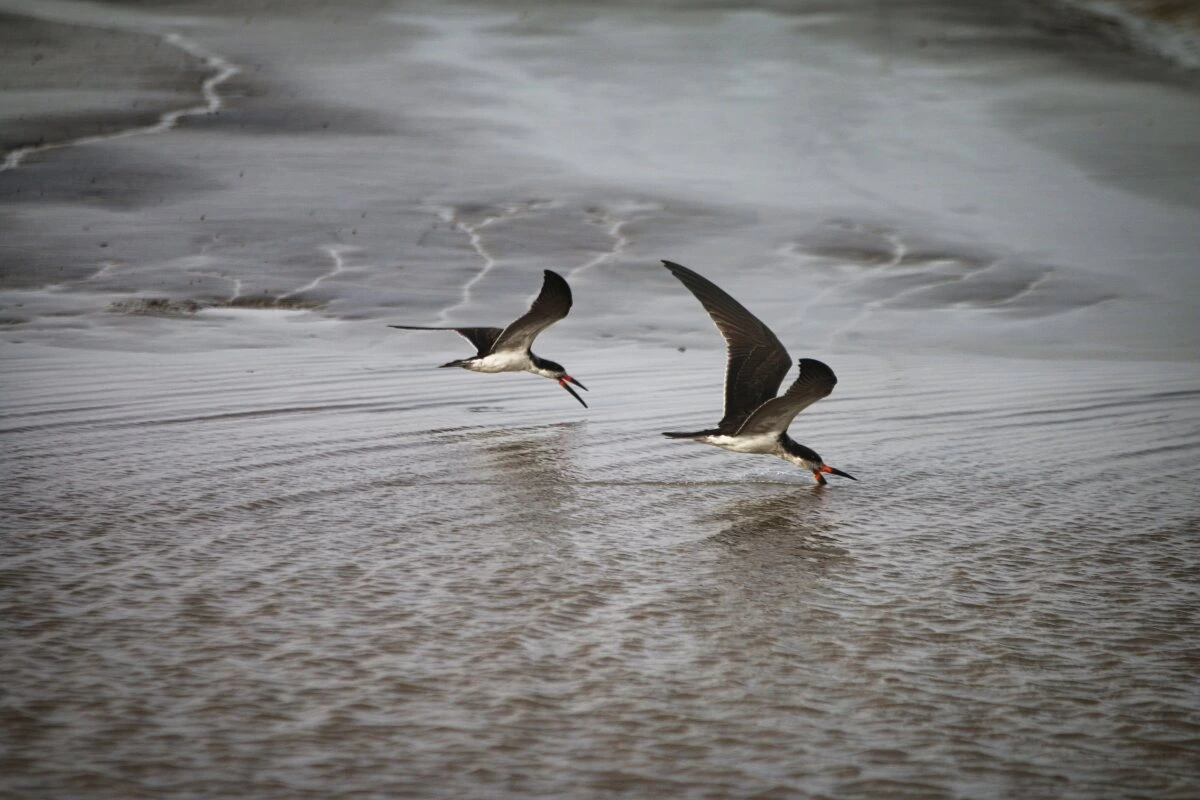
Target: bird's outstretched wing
551, 305
482, 338
774, 416
757, 361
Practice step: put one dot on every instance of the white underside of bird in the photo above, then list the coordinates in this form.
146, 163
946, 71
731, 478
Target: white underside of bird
505, 361
767, 444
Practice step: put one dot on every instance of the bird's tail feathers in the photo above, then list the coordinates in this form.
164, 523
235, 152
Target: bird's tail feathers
458, 362
693, 435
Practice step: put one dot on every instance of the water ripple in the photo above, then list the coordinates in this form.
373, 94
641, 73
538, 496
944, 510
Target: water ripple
279, 574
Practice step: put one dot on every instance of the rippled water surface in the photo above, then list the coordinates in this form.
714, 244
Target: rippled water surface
305, 571
253, 543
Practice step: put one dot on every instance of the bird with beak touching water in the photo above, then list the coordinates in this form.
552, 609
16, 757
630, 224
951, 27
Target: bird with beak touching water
756, 421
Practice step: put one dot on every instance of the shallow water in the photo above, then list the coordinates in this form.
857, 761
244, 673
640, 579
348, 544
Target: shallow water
329, 578
255, 544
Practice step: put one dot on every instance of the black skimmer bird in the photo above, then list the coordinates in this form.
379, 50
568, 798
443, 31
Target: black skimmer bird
507, 349
756, 421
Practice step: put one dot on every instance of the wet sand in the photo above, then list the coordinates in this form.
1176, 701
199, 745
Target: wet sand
256, 544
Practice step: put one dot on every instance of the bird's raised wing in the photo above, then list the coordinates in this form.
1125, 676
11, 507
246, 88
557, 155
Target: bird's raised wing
551, 305
482, 338
774, 416
757, 361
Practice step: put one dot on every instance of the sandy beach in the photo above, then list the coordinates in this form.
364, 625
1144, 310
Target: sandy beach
255, 544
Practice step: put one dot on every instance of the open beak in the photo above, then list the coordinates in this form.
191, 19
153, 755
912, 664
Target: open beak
836, 471
564, 380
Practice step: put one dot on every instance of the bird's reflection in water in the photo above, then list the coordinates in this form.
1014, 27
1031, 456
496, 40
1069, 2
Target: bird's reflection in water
782, 527
769, 567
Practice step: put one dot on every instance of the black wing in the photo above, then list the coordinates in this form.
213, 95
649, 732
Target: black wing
482, 338
551, 305
757, 361
816, 381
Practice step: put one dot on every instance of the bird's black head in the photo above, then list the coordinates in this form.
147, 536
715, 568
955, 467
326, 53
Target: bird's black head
548, 365
813, 461
552, 369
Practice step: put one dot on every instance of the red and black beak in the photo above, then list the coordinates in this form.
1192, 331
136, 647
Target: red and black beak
566, 379
836, 471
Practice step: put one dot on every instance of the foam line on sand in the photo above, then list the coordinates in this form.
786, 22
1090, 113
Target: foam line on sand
222, 70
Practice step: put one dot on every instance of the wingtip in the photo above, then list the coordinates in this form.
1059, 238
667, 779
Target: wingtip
811, 368
550, 277
684, 274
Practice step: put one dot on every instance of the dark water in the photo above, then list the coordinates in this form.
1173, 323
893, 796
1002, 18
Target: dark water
254, 544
